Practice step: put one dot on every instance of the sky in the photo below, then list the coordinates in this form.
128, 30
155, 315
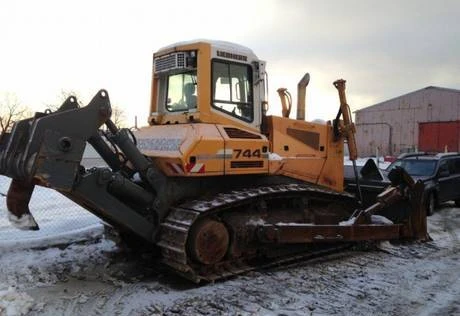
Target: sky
382, 48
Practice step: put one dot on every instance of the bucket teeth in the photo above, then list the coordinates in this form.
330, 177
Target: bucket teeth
17, 202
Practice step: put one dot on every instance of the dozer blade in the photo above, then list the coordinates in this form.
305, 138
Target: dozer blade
398, 213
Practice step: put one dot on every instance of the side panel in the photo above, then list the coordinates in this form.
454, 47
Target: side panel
245, 152
306, 151
205, 157
332, 173
197, 150
184, 149
297, 139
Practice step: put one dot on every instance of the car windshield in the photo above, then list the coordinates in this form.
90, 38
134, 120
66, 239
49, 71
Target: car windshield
415, 167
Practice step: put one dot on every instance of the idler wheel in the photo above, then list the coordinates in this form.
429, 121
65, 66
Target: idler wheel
208, 241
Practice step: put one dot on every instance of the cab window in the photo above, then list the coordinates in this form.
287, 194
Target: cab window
181, 92
232, 89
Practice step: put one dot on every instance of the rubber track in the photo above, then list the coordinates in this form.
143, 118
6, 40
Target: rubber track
177, 225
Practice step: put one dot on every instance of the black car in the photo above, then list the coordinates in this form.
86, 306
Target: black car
439, 172
372, 181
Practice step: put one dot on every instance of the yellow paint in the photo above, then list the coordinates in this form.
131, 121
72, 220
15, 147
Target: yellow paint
202, 143
323, 165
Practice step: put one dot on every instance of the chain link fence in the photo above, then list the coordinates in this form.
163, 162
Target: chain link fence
60, 220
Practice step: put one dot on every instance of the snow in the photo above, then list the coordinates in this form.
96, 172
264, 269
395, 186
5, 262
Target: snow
379, 219
274, 156
292, 224
375, 219
255, 222
349, 222
381, 164
25, 222
56, 238
15, 303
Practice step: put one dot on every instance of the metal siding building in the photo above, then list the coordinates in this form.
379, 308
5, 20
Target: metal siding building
392, 126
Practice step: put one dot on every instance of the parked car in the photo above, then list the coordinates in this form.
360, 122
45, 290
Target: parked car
372, 181
439, 172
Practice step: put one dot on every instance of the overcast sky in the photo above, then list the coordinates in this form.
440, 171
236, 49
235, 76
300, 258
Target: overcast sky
382, 48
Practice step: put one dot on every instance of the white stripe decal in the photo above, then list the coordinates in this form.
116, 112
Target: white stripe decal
197, 167
177, 168
225, 152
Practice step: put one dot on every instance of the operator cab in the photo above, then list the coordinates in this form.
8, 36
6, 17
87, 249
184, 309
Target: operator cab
208, 82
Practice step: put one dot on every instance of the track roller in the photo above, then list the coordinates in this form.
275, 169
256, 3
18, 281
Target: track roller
208, 241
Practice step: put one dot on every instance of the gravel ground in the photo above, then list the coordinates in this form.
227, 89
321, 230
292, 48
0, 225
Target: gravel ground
94, 278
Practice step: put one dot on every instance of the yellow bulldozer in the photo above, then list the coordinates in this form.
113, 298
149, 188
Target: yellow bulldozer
213, 183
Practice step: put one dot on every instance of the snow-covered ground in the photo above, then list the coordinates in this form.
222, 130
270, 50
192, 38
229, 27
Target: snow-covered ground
60, 220
93, 277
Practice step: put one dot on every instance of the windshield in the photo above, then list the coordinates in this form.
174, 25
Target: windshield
415, 167
182, 94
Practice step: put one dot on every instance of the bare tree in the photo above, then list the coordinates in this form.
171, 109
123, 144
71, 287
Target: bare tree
61, 97
11, 110
118, 116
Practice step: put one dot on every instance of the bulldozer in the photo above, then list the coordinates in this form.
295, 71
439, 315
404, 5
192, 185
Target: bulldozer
213, 183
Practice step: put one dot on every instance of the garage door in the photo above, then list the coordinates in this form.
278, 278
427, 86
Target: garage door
437, 136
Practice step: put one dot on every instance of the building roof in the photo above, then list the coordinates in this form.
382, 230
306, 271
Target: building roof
416, 91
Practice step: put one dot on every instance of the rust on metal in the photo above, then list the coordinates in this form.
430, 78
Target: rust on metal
417, 223
18, 197
208, 242
307, 233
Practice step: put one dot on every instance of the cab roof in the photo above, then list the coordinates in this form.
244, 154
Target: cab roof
222, 45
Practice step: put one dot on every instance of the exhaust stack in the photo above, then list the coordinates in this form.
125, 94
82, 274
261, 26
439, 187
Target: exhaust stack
301, 92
